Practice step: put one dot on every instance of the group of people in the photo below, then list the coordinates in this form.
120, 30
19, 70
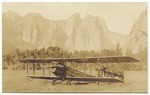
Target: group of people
105, 72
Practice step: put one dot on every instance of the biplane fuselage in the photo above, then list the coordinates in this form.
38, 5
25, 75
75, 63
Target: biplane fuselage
63, 71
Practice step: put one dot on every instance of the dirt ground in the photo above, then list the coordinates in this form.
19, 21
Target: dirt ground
16, 81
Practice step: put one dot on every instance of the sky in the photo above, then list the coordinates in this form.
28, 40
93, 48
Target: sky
119, 16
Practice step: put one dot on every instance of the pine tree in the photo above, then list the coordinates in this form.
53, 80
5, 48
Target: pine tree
118, 49
129, 52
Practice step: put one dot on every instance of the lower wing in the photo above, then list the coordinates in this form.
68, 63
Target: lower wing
79, 78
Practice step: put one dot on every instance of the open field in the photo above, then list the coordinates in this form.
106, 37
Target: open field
16, 81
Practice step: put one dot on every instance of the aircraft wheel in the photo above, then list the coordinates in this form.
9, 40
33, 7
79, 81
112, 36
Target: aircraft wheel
54, 82
68, 82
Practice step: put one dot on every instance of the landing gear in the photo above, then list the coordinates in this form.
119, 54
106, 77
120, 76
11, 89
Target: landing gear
68, 82
57, 81
54, 82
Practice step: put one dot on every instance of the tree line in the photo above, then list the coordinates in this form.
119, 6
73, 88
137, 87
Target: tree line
57, 52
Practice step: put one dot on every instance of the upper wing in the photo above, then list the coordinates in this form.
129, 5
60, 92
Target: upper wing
82, 60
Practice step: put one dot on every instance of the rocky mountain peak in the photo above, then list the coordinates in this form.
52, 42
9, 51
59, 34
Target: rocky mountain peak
138, 37
74, 33
92, 34
140, 24
76, 15
11, 15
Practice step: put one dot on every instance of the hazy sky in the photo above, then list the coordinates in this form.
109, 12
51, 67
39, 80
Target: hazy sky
118, 16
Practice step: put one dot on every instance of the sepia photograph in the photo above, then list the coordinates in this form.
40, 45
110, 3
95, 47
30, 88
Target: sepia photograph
74, 47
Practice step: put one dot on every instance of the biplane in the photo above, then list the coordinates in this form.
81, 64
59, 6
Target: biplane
63, 72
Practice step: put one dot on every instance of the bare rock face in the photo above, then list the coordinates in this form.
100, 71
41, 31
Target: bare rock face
137, 39
11, 31
34, 26
71, 28
34, 31
92, 34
